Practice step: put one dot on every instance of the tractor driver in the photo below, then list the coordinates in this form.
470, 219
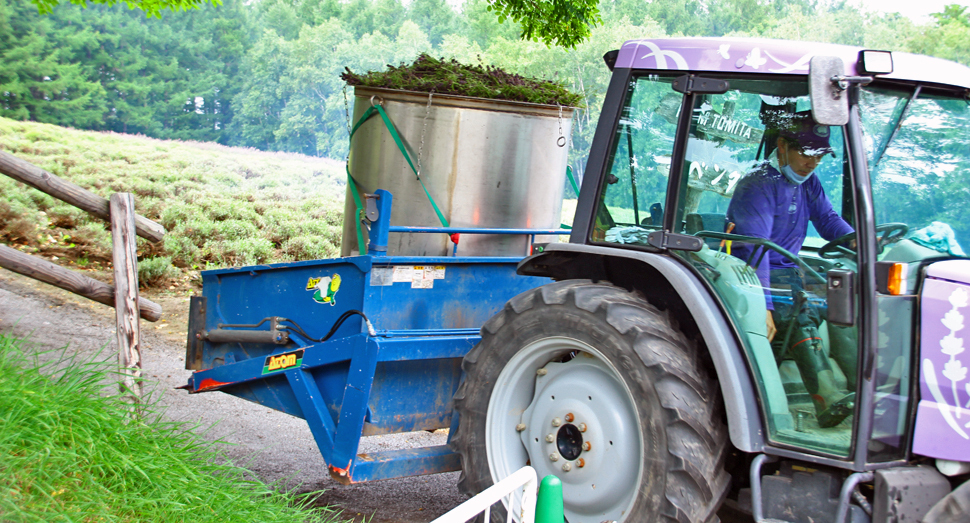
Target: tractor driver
776, 202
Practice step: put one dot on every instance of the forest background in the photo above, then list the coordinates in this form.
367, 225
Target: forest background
266, 73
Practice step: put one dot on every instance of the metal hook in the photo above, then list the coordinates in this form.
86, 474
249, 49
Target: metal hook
380, 103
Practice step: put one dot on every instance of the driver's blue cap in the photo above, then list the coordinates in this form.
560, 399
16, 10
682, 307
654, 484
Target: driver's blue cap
811, 137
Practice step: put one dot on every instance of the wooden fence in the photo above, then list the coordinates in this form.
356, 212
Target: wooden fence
123, 296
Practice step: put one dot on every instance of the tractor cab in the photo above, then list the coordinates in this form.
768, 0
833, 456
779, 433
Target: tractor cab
811, 197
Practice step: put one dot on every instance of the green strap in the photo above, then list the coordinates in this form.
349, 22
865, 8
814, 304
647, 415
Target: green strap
400, 145
572, 181
360, 208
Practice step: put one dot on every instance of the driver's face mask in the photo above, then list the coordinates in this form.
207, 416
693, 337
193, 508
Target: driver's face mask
792, 176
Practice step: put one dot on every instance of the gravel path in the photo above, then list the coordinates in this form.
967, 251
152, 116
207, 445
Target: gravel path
275, 446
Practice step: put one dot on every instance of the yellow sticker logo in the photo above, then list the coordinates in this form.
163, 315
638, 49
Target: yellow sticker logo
324, 288
282, 361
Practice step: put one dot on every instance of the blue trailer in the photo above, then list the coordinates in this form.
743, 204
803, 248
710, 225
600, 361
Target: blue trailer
356, 346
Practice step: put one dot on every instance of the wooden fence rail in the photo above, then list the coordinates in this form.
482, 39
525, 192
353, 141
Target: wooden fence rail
47, 272
73, 194
125, 225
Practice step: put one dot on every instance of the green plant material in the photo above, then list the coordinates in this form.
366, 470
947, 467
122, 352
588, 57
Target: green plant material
153, 271
429, 74
71, 451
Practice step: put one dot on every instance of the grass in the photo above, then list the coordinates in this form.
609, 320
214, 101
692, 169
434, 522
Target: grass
221, 206
68, 452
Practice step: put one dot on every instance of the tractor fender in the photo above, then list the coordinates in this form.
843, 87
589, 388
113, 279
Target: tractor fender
668, 284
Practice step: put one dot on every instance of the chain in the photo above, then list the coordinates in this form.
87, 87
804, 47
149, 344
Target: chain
347, 110
424, 130
561, 141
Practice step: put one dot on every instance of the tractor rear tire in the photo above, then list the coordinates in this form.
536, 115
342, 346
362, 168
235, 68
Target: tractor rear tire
591, 383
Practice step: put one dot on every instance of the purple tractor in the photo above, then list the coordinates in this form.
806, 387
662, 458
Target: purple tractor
764, 306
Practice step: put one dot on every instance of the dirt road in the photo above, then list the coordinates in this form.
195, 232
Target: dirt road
276, 447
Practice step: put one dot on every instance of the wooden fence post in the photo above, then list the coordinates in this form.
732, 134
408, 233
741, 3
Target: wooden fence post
125, 261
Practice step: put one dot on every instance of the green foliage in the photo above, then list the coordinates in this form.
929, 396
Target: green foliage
108, 68
72, 452
152, 271
428, 74
265, 73
564, 23
150, 7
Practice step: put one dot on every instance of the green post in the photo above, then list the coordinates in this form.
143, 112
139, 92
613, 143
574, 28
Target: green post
549, 501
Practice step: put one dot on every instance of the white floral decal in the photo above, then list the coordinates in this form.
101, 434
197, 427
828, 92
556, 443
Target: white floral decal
800, 65
754, 59
953, 369
661, 56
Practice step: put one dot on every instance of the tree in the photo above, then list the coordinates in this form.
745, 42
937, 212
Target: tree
482, 27
150, 7
564, 23
434, 17
40, 79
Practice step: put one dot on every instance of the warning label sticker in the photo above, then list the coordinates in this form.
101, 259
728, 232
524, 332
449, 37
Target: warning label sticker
419, 276
403, 273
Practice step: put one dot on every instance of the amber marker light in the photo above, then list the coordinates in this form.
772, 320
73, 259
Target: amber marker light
897, 278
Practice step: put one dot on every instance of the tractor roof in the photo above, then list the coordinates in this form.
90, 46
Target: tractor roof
750, 55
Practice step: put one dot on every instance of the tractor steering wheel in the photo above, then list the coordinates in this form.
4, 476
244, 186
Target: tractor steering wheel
885, 234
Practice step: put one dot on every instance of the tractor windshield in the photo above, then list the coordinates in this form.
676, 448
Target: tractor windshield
919, 162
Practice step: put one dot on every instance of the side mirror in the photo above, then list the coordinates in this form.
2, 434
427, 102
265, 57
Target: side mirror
830, 103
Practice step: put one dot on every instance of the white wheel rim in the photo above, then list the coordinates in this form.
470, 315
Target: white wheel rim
602, 482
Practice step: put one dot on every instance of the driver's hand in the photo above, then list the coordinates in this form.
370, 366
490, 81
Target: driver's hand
771, 327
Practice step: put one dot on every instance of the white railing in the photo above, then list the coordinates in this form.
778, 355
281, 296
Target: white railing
524, 478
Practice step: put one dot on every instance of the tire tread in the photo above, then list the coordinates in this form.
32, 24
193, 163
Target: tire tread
696, 482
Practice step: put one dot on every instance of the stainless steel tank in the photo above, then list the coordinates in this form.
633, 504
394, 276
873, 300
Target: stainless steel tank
486, 163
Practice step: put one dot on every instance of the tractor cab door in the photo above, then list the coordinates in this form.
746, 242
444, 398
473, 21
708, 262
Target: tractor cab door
767, 237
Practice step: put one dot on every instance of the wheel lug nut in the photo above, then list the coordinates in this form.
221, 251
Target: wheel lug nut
566, 467
520, 427
582, 427
570, 417
550, 438
556, 422
581, 462
553, 457
542, 372
587, 445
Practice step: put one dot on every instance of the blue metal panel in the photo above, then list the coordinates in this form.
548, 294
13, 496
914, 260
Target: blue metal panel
402, 379
471, 291
399, 463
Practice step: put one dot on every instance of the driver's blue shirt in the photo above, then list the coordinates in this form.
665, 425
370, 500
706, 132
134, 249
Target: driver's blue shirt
766, 205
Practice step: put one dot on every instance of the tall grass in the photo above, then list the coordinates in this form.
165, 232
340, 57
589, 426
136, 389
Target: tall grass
68, 452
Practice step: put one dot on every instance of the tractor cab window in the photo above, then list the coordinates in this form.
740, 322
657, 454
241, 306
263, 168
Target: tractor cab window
632, 199
762, 186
